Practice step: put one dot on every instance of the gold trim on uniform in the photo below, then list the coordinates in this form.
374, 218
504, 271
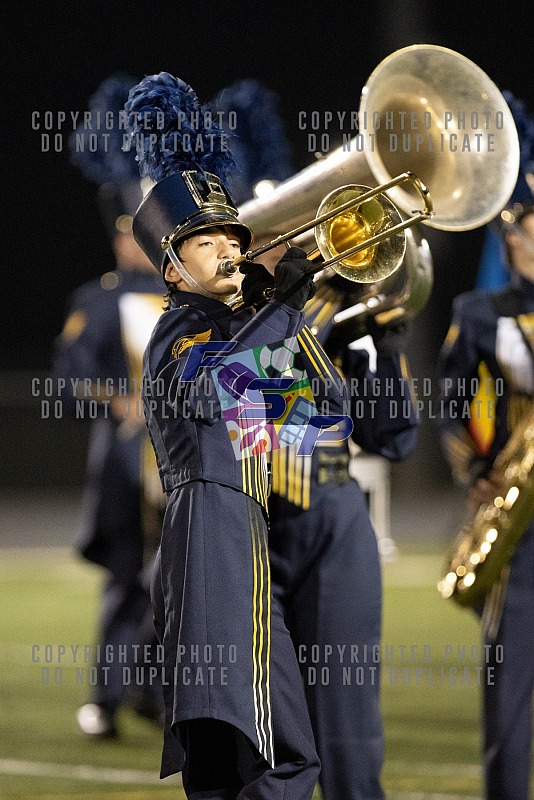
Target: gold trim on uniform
292, 473
306, 481
278, 467
526, 323
316, 354
291, 465
452, 335
255, 478
261, 636
74, 325
481, 424
322, 307
407, 375
518, 407
292, 476
184, 342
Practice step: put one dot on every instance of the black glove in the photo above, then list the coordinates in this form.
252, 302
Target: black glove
292, 287
257, 279
390, 338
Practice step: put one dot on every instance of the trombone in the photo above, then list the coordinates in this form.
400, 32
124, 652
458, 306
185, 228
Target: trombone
347, 235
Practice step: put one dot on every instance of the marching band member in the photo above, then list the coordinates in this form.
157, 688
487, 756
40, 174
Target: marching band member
247, 735
106, 329
490, 344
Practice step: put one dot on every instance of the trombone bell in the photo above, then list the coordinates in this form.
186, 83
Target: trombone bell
367, 214
355, 226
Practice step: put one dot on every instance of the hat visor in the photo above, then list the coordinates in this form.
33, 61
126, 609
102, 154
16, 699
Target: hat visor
214, 219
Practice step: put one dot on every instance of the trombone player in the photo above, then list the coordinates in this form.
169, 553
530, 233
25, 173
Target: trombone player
491, 338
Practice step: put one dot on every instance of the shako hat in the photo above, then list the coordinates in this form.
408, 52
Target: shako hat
184, 152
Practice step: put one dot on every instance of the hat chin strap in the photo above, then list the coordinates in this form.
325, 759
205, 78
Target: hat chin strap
191, 282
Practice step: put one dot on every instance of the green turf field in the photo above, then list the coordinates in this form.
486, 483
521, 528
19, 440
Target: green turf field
430, 694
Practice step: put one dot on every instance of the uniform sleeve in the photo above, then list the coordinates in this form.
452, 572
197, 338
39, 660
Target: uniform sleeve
382, 402
88, 355
457, 369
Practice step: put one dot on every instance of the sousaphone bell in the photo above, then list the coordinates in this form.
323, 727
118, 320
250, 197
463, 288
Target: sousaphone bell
468, 188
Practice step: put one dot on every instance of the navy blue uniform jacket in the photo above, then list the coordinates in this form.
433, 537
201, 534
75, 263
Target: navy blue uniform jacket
485, 370
95, 345
213, 578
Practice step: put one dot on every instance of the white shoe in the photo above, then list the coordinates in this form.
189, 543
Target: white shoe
96, 721
388, 550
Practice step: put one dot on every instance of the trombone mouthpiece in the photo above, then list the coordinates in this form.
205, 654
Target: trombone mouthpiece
227, 267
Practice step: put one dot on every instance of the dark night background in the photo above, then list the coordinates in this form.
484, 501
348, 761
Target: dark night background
316, 56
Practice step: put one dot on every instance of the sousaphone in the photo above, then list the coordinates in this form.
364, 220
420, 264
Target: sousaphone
470, 179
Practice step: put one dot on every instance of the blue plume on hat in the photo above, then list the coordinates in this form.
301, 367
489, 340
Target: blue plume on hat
261, 149
493, 270
105, 161
180, 114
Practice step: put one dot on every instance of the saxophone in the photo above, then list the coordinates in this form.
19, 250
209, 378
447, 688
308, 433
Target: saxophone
486, 541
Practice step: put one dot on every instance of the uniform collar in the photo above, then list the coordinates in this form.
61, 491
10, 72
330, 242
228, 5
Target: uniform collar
214, 308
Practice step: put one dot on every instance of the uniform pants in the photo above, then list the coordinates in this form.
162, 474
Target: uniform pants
325, 569
205, 572
124, 606
223, 764
508, 697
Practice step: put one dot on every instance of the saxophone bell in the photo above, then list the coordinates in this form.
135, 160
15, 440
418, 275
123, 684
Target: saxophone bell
486, 542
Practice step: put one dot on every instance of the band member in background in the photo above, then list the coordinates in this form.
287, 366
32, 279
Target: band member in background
493, 269
490, 345
324, 555
325, 563
108, 323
